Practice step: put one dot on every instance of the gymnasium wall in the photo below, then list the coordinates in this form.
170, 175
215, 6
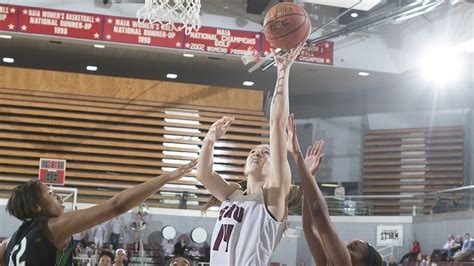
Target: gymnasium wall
131, 89
433, 230
118, 132
343, 118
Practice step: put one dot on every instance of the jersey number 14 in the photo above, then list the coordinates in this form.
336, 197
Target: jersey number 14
224, 235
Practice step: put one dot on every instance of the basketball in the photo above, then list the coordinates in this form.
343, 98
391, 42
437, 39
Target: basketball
286, 25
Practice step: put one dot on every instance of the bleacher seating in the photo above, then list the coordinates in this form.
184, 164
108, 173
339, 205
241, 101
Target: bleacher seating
111, 144
412, 161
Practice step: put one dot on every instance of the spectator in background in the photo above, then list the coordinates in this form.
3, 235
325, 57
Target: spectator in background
99, 231
415, 250
106, 258
180, 247
168, 248
339, 191
116, 229
448, 245
128, 254
80, 254
76, 238
467, 248
194, 252
95, 257
120, 258
85, 237
179, 261
457, 246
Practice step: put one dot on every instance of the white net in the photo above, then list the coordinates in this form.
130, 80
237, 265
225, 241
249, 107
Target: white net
179, 14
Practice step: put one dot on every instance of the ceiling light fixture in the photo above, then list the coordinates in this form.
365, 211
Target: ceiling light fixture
248, 83
363, 74
441, 65
188, 55
354, 14
100, 46
171, 76
8, 60
5, 36
329, 185
91, 68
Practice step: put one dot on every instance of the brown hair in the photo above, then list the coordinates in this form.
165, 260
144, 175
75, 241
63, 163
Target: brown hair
294, 198
24, 199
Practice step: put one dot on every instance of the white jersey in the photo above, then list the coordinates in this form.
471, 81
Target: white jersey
245, 233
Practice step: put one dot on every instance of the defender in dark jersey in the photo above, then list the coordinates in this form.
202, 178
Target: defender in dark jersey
45, 237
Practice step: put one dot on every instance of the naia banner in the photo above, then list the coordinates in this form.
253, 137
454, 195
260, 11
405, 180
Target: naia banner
390, 235
103, 29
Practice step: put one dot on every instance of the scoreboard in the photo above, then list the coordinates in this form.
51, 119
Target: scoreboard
52, 171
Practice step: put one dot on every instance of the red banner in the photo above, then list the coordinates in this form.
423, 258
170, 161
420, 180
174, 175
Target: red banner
60, 23
319, 53
222, 41
129, 30
8, 15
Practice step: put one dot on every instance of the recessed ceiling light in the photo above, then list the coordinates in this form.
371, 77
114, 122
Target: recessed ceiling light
8, 60
100, 46
188, 55
364, 74
91, 68
5, 36
329, 185
171, 75
248, 83
354, 14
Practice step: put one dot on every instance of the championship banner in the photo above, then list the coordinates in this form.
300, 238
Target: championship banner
317, 53
224, 41
8, 15
60, 23
34, 20
129, 30
390, 235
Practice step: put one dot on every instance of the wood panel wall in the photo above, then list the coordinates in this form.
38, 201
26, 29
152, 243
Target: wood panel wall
412, 161
131, 89
112, 143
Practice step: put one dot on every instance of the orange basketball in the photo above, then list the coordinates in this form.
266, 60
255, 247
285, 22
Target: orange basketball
286, 25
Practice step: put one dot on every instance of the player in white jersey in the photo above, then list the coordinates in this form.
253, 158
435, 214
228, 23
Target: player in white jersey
251, 222
323, 241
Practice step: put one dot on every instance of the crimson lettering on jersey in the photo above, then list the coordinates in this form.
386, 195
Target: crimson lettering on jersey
224, 235
232, 212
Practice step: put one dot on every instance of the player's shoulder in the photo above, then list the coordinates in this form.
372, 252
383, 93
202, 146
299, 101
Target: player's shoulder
235, 186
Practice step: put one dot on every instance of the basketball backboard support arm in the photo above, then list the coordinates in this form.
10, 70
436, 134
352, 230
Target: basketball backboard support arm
66, 193
417, 8
308, 42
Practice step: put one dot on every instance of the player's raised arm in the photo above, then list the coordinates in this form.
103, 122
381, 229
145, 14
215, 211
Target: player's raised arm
212, 181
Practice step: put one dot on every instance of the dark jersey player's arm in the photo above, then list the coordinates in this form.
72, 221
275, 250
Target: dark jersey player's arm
3, 249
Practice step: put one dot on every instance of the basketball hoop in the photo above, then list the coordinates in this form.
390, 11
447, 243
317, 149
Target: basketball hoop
179, 14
